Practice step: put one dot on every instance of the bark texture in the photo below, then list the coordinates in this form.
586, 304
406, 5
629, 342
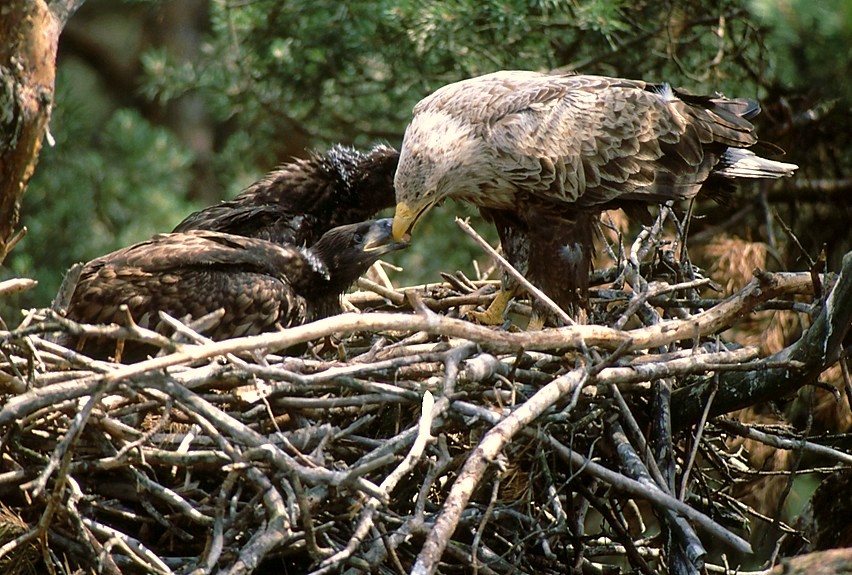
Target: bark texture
30, 33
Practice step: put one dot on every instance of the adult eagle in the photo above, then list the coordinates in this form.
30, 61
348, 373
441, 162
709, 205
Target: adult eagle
542, 155
260, 285
300, 201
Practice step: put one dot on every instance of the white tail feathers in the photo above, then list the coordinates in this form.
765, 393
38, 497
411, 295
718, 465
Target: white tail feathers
742, 163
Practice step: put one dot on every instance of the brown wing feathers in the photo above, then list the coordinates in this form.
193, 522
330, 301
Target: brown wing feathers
260, 286
191, 274
247, 256
549, 149
300, 201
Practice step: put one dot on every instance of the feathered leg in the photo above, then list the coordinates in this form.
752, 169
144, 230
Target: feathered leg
560, 255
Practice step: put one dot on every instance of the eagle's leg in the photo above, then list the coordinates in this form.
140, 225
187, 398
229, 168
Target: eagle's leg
119, 350
560, 255
514, 240
494, 315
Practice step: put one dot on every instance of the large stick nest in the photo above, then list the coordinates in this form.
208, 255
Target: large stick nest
407, 439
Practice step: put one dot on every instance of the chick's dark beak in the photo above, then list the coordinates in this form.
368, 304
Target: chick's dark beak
380, 239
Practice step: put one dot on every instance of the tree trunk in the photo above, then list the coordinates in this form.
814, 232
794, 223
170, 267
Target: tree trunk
30, 33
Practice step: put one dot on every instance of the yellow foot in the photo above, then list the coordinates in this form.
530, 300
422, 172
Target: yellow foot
494, 314
536, 322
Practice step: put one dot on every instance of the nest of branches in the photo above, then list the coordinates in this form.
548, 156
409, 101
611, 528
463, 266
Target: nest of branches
407, 439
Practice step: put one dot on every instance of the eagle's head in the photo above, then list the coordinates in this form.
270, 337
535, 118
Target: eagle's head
363, 182
348, 251
441, 158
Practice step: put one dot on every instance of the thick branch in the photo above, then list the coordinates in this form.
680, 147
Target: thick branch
817, 349
482, 455
30, 31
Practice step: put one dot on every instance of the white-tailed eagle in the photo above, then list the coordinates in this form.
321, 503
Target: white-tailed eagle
542, 155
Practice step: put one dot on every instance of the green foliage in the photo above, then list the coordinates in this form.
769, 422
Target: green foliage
93, 193
330, 71
811, 43
353, 70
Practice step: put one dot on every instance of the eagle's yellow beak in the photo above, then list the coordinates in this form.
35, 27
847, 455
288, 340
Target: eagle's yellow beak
404, 220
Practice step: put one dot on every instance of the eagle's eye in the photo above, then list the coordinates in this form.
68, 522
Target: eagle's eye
359, 237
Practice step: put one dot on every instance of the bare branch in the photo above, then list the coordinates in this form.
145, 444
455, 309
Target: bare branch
817, 349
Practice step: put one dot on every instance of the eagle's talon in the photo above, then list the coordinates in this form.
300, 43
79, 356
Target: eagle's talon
495, 314
536, 322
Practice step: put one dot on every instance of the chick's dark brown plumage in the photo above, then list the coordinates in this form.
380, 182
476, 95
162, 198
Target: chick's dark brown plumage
260, 285
300, 201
